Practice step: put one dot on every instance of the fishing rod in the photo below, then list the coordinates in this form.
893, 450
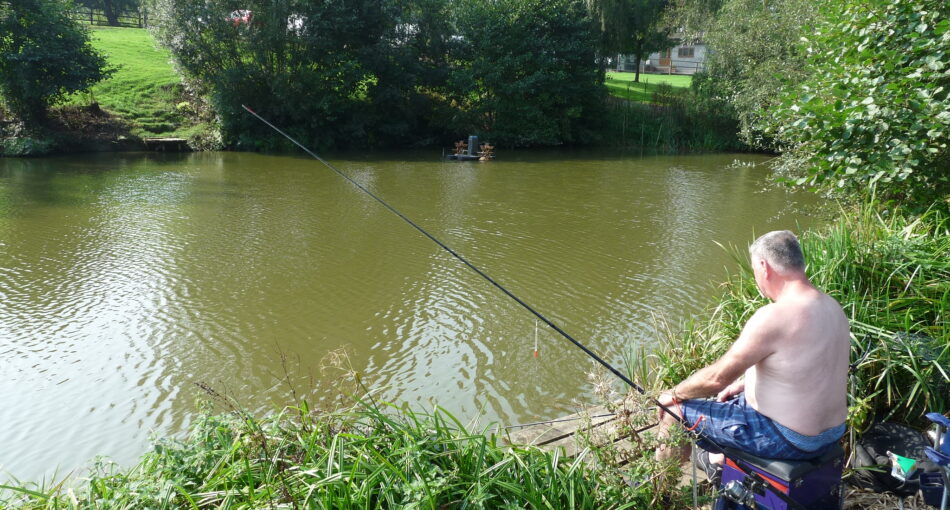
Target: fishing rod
682, 419
465, 261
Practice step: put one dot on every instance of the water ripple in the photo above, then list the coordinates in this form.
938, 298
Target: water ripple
125, 280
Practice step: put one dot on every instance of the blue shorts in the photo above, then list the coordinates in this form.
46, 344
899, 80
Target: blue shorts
735, 424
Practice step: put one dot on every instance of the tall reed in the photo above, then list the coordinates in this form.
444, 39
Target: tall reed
676, 120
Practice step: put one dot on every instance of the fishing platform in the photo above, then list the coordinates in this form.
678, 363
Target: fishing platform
591, 427
165, 144
469, 151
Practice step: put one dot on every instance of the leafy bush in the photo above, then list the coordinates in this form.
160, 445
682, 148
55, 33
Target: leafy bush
754, 57
44, 55
306, 65
876, 109
526, 73
26, 146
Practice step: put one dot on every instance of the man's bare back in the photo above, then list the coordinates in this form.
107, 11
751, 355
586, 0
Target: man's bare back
789, 366
802, 384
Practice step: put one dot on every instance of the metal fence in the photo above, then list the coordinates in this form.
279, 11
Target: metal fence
663, 66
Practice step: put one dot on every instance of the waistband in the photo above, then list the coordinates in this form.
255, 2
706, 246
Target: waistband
811, 443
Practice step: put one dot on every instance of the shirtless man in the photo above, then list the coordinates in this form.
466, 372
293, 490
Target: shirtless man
792, 401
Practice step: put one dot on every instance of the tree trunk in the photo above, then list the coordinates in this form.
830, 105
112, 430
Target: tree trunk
636, 78
110, 13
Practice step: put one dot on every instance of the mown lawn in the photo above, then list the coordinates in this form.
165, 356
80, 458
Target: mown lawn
145, 89
622, 84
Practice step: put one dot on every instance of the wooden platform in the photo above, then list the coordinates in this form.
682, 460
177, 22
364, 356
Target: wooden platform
166, 144
589, 428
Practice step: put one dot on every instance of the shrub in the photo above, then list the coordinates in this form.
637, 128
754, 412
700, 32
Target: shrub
26, 146
360, 72
44, 55
876, 109
754, 57
526, 71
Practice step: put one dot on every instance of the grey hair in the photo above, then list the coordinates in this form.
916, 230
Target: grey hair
780, 249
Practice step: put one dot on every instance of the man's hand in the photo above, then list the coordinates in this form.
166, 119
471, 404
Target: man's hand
731, 390
666, 400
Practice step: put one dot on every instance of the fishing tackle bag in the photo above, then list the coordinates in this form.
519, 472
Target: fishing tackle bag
872, 467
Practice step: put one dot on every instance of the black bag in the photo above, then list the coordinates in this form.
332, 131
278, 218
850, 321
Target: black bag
872, 468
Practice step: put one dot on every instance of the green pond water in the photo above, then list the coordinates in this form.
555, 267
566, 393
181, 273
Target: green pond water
127, 279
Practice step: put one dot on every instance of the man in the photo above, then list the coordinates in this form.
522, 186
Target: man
781, 388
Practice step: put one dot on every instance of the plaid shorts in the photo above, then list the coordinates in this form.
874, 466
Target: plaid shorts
735, 424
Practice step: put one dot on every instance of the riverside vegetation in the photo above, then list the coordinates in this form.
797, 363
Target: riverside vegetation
841, 120
366, 455
389, 74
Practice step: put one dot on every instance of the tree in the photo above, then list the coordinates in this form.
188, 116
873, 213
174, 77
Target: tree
525, 71
875, 108
691, 17
44, 55
306, 65
644, 32
352, 73
632, 27
755, 56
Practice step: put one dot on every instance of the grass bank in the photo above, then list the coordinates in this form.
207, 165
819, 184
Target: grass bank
145, 91
621, 85
365, 457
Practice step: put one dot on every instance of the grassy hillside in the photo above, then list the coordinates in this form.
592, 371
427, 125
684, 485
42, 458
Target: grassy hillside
145, 90
622, 84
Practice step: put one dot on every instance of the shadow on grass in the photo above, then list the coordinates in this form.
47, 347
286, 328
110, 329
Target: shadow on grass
622, 85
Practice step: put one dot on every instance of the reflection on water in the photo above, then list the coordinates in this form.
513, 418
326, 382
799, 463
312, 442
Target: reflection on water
125, 279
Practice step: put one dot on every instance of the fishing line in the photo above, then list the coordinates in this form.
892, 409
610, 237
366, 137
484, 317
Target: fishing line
455, 254
525, 305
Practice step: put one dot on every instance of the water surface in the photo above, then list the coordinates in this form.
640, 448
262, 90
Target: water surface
127, 279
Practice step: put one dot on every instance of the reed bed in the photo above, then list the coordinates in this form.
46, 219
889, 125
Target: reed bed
676, 120
890, 271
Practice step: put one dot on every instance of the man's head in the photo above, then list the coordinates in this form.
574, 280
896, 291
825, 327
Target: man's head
776, 257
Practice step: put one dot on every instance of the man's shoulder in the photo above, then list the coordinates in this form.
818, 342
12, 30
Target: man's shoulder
766, 313
766, 318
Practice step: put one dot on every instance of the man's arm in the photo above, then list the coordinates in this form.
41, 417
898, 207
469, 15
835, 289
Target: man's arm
754, 344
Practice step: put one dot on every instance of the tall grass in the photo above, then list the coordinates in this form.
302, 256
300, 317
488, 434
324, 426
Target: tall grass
372, 456
891, 273
675, 120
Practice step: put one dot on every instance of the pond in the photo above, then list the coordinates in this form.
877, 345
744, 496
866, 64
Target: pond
128, 280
